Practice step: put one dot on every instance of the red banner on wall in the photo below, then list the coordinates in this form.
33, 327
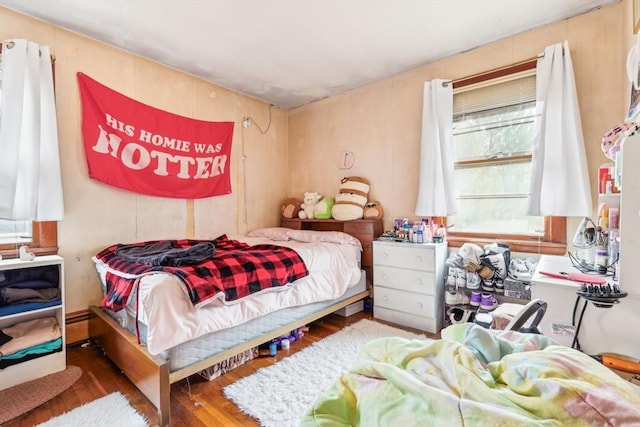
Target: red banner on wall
140, 148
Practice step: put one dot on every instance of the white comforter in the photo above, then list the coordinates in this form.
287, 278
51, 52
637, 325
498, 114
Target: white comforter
171, 319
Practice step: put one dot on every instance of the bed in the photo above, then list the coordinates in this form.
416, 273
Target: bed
475, 376
159, 333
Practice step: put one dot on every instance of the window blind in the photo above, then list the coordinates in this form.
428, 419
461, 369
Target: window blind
497, 93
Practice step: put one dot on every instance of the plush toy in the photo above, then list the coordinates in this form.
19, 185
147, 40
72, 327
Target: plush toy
290, 207
373, 210
308, 205
351, 198
323, 209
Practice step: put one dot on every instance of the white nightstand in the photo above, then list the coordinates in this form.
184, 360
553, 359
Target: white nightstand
408, 281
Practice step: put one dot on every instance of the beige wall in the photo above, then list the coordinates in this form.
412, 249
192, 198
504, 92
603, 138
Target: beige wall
97, 215
381, 122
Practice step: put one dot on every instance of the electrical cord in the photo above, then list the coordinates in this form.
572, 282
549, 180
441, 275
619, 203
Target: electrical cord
250, 119
245, 124
576, 342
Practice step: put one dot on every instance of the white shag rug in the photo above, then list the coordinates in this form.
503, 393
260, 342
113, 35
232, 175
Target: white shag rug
112, 410
279, 395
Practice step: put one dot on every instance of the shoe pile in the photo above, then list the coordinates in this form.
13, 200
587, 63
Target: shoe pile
518, 281
483, 272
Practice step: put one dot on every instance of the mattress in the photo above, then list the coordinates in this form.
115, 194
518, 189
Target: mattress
198, 349
166, 318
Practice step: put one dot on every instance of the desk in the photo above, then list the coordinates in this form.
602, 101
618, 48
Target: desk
611, 329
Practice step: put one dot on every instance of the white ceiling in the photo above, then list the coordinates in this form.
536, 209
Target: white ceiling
292, 52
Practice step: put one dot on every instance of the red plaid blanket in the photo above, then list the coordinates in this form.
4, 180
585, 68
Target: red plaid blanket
235, 271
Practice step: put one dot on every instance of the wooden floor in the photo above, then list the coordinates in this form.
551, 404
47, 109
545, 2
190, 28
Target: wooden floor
194, 401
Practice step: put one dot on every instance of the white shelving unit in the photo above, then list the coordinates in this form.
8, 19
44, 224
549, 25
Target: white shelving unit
46, 364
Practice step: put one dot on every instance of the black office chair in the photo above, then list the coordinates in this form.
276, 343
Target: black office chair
528, 319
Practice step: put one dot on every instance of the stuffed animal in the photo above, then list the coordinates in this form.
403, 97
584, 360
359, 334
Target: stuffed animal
351, 198
308, 205
290, 207
323, 209
373, 210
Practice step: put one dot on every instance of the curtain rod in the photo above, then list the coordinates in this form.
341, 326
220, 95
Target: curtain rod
11, 44
496, 72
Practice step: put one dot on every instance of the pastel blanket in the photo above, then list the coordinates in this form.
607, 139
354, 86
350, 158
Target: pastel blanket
476, 377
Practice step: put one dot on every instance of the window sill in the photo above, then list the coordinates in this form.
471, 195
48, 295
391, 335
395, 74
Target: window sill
525, 246
13, 253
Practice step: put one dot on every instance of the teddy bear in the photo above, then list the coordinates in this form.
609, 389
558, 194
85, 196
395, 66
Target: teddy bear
308, 204
351, 198
290, 207
373, 210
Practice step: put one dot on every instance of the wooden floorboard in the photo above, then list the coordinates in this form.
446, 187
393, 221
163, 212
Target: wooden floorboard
194, 401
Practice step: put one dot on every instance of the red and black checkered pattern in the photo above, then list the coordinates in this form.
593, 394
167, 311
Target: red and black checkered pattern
236, 271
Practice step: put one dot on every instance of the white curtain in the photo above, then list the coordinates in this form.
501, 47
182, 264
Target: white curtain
30, 183
436, 186
560, 178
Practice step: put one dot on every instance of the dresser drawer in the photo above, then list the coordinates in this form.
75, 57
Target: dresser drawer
423, 323
408, 302
413, 257
422, 282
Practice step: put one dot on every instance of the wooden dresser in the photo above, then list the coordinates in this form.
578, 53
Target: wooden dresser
365, 230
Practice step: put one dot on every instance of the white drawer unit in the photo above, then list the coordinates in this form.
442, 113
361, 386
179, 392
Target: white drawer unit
408, 280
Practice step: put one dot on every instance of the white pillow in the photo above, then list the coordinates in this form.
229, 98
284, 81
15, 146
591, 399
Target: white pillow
324, 236
273, 233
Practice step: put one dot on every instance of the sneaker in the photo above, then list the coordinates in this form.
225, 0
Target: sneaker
455, 298
473, 280
496, 262
488, 285
496, 248
476, 298
459, 315
454, 260
499, 286
530, 263
470, 254
461, 278
485, 272
451, 276
519, 270
488, 302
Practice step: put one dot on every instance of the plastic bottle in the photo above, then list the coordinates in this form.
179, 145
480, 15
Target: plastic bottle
273, 348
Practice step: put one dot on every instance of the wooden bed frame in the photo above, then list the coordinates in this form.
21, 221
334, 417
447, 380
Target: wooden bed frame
151, 374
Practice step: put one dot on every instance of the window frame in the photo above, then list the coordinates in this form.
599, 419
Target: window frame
554, 239
44, 234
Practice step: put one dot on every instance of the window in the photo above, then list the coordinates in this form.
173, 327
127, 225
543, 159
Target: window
15, 232
494, 133
42, 237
